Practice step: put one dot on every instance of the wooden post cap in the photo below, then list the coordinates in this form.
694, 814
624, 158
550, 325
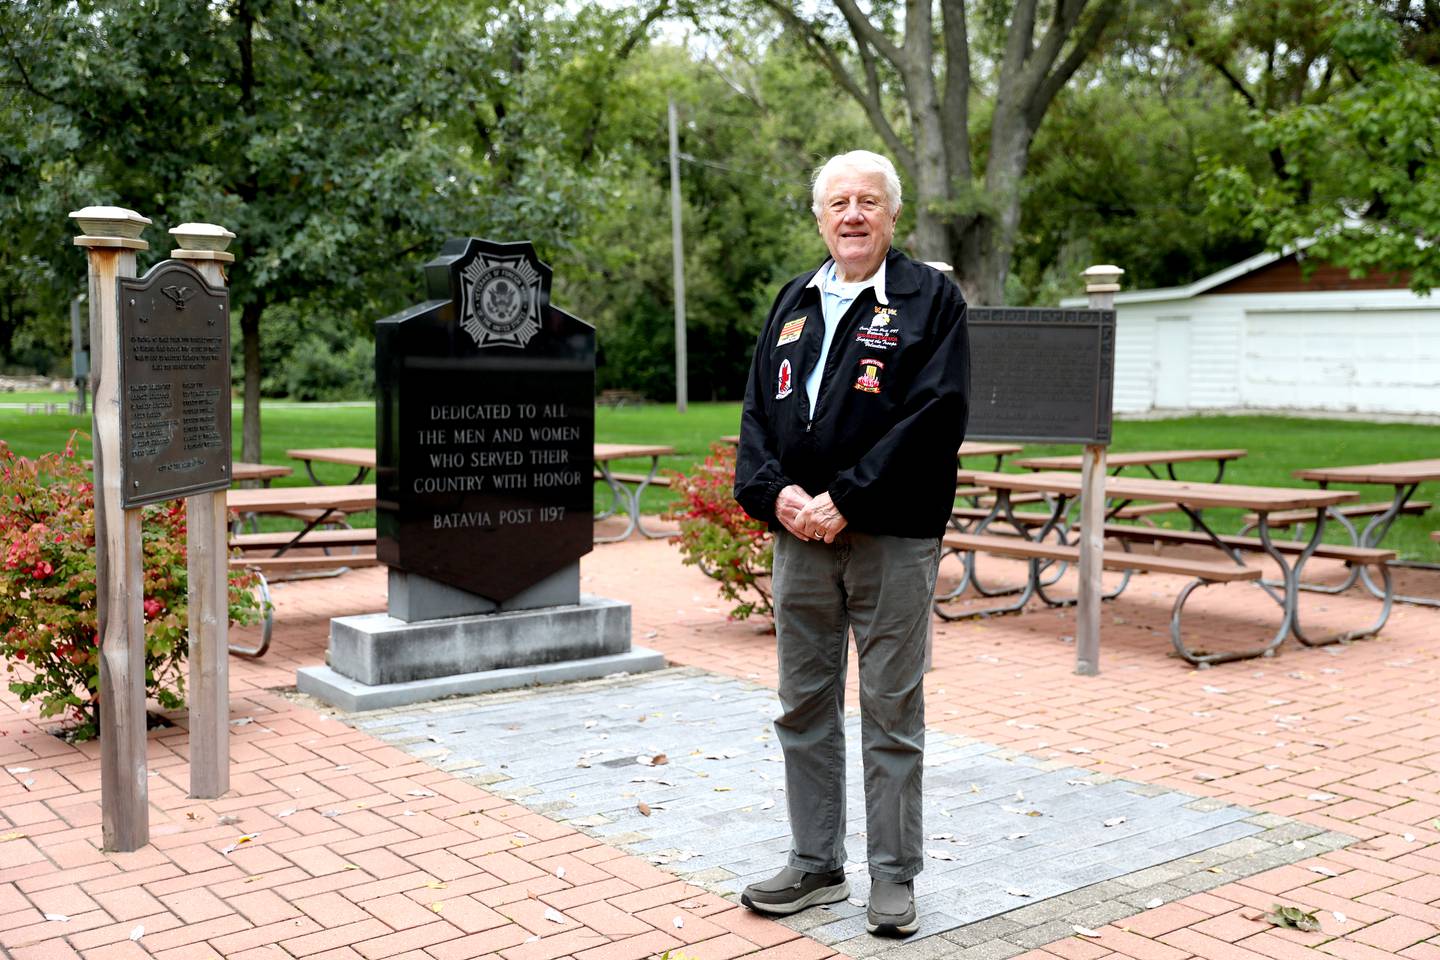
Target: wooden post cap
1102, 278
202, 241
202, 236
110, 227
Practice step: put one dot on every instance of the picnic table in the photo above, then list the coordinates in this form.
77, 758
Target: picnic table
1149, 459
241, 470
316, 505
322, 503
620, 483
1405, 477
1030, 542
362, 458
975, 448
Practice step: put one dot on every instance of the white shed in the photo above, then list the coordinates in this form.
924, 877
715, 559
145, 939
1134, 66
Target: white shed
1260, 336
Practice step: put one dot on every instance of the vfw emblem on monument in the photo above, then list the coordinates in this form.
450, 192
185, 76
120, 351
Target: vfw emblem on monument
500, 300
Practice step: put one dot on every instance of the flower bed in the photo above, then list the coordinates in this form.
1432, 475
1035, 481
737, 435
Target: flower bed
48, 586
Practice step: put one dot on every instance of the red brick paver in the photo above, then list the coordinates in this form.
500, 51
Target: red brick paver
1341, 737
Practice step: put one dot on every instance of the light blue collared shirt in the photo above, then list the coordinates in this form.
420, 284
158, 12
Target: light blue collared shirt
835, 298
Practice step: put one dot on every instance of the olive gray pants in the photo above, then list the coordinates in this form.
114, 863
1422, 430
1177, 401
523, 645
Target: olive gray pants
881, 588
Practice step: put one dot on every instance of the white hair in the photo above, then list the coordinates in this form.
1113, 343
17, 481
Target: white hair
859, 161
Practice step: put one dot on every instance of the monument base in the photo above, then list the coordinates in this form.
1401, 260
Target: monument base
376, 648
378, 661
350, 695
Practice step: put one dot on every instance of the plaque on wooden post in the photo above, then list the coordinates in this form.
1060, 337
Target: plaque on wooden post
1041, 375
174, 385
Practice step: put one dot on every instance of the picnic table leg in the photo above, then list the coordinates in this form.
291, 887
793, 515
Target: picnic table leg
1288, 600
1375, 532
266, 627
639, 523
1356, 569
295, 541
632, 504
1002, 502
1002, 509
1292, 580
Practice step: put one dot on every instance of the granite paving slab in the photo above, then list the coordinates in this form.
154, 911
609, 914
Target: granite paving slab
682, 767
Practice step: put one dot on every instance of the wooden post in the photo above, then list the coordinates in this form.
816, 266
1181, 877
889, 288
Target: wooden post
1101, 283
111, 237
202, 246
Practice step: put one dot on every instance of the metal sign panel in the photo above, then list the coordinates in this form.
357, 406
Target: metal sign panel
1039, 375
174, 385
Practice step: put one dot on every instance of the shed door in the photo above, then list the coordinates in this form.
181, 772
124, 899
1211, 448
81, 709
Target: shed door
1172, 362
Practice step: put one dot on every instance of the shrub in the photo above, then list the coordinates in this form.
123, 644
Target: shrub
48, 589
719, 537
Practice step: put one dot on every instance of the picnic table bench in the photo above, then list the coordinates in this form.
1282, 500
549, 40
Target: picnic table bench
1227, 565
322, 502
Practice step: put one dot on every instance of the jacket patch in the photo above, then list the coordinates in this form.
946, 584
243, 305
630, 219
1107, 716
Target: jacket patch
791, 331
879, 335
784, 384
869, 379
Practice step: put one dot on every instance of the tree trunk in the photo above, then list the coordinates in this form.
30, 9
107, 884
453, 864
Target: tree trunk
1009, 156
973, 267
250, 336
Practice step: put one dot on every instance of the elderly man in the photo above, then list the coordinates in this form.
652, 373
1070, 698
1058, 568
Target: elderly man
855, 407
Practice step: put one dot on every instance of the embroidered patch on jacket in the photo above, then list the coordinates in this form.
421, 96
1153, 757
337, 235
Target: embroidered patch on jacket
879, 335
784, 384
791, 331
869, 379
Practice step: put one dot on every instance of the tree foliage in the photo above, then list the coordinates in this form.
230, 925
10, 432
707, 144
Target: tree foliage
344, 143
1352, 137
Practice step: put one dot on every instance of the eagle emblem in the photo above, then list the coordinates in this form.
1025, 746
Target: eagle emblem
500, 300
178, 294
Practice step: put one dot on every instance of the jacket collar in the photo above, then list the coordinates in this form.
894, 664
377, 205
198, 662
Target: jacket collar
901, 276
877, 281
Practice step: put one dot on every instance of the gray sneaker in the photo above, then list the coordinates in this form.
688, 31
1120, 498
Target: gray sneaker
792, 890
892, 909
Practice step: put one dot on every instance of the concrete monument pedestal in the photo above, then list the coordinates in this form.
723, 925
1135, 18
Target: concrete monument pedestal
377, 660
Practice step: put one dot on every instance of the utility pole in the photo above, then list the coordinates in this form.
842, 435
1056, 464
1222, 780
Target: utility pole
79, 357
682, 388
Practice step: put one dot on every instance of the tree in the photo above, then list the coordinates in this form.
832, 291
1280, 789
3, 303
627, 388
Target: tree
228, 112
1353, 158
1115, 167
968, 183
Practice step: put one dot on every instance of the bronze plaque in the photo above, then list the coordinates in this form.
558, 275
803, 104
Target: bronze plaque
174, 385
1041, 375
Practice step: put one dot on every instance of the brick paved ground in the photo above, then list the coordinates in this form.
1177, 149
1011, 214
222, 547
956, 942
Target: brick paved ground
386, 856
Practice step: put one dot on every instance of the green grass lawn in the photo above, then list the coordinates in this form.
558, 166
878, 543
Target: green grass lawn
1276, 445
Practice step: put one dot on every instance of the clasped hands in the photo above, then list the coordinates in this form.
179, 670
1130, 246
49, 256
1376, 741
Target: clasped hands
807, 517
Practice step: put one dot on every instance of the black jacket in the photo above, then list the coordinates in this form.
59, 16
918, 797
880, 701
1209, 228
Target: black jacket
890, 412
